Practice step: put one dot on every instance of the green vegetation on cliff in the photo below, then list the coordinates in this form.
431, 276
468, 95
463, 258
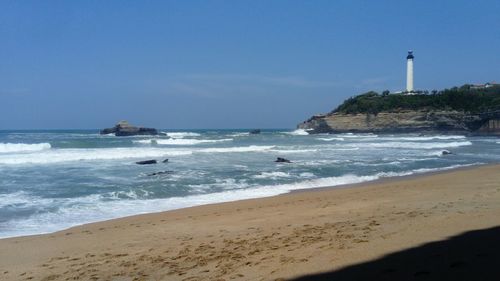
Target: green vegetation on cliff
464, 99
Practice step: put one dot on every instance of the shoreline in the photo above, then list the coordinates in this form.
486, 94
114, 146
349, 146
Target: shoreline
312, 189
389, 179
283, 236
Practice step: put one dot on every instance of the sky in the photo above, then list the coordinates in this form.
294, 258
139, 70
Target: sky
228, 64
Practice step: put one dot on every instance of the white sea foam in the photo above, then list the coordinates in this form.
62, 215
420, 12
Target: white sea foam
438, 153
357, 136
129, 194
298, 132
322, 162
306, 175
281, 175
427, 170
180, 135
272, 175
224, 184
230, 183
251, 148
239, 134
23, 147
288, 151
92, 208
413, 145
381, 163
19, 198
68, 155
331, 139
180, 141
423, 138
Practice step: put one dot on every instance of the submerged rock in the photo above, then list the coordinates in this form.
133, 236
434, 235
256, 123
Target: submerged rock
282, 160
123, 128
160, 173
146, 162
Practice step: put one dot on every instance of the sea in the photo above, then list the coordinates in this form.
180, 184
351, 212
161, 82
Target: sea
53, 180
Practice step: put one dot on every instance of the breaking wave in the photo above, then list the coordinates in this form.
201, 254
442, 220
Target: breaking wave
298, 132
23, 147
76, 211
251, 148
414, 145
331, 139
180, 135
424, 138
68, 155
179, 141
294, 150
272, 175
239, 134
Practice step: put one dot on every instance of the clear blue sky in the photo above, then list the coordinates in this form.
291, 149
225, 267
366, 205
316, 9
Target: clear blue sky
228, 64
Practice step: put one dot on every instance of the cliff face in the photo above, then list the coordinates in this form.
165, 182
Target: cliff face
490, 127
405, 122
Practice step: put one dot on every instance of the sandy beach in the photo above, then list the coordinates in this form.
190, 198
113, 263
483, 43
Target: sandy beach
328, 231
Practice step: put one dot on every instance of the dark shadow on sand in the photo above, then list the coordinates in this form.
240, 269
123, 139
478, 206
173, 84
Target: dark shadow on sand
473, 255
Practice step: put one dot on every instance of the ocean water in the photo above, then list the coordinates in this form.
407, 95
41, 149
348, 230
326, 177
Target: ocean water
52, 180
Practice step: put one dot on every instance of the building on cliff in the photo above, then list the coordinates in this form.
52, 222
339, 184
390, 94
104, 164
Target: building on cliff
484, 86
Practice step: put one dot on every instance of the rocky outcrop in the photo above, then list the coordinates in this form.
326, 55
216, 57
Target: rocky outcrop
490, 127
282, 160
408, 121
146, 162
123, 128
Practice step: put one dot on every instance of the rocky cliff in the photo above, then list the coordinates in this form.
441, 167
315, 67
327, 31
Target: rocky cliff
405, 121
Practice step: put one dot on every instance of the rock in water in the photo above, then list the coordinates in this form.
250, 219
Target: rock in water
123, 128
446, 152
146, 162
160, 173
282, 160
165, 161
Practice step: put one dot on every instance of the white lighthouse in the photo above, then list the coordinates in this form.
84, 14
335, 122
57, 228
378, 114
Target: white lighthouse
409, 72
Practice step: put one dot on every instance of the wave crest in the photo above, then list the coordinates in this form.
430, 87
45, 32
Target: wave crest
251, 148
23, 147
415, 145
181, 135
179, 141
298, 132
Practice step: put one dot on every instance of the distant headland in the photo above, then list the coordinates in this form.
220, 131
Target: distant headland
470, 109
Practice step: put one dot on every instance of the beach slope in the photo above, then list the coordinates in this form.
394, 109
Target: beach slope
282, 237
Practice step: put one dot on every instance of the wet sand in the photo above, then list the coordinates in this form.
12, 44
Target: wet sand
275, 238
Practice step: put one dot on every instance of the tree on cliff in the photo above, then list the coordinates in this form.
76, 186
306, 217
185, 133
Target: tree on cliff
464, 99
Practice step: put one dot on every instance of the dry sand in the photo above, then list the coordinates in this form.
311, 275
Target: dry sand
272, 238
